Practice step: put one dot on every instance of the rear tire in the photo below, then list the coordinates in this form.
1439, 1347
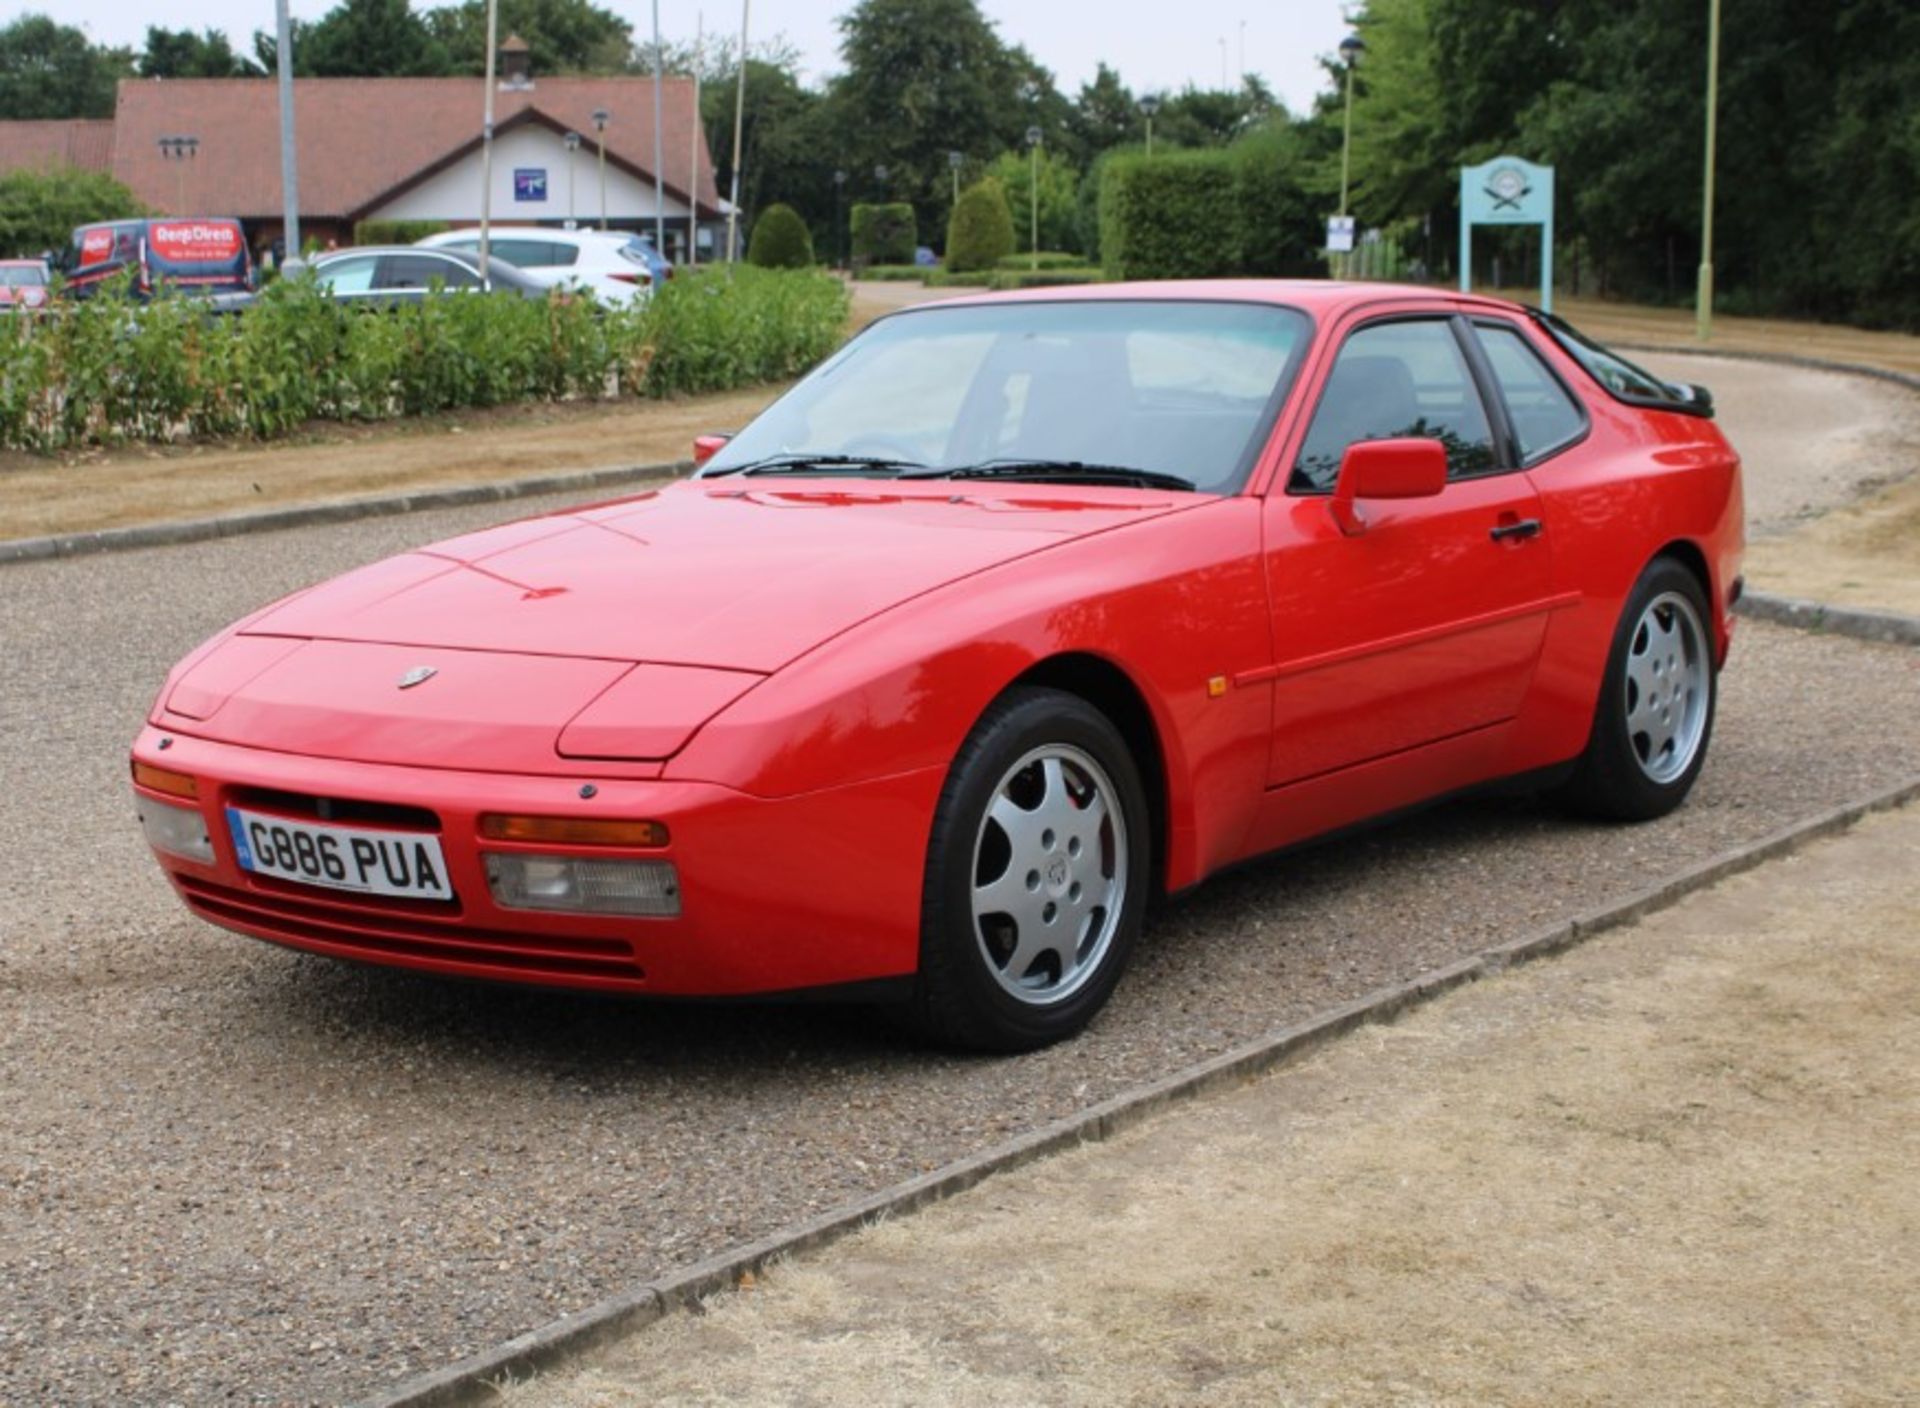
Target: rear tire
1036, 877
1655, 714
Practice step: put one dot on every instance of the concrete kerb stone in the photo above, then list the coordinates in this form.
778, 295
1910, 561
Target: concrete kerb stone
468, 1380
1858, 623
198, 530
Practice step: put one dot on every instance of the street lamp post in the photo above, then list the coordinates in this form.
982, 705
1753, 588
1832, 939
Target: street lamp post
572, 139
955, 160
839, 216
601, 117
1351, 48
1703, 296
486, 151
659, 154
1033, 197
880, 180
1150, 105
289, 167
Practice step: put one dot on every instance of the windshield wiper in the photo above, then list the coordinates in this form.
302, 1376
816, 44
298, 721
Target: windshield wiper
800, 463
1059, 471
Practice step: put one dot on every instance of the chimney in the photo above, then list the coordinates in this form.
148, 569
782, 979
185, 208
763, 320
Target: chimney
516, 63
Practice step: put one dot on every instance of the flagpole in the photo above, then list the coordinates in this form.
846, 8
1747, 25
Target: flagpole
659, 157
486, 151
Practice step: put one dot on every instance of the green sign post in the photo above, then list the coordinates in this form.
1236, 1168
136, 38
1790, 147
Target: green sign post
1507, 191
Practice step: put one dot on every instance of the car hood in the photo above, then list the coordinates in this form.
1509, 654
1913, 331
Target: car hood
611, 632
731, 574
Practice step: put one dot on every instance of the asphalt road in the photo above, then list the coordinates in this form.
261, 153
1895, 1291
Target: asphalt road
231, 1173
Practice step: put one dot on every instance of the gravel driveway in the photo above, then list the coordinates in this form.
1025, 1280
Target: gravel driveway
228, 1172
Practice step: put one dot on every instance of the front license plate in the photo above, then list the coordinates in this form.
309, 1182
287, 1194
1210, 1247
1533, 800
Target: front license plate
401, 864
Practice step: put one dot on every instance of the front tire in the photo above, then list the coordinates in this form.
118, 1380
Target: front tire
1655, 714
1036, 877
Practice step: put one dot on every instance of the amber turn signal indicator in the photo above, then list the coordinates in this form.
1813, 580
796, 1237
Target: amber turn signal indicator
572, 831
174, 784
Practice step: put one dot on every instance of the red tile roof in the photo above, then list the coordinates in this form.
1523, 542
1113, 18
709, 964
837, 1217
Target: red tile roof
364, 139
83, 142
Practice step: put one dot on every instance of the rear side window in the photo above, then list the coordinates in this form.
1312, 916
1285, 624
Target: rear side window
1544, 416
421, 270
1392, 380
1623, 380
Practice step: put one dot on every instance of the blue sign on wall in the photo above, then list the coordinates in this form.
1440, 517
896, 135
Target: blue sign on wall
1508, 191
530, 183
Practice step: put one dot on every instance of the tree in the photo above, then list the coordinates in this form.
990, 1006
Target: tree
39, 209
1059, 199
180, 53
788, 152
925, 77
50, 70
370, 39
1106, 114
980, 234
563, 36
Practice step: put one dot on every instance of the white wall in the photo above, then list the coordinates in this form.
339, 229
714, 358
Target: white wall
454, 194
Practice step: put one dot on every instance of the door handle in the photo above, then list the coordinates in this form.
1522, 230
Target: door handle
1516, 530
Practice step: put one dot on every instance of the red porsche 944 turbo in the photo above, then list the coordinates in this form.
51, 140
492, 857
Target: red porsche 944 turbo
1016, 612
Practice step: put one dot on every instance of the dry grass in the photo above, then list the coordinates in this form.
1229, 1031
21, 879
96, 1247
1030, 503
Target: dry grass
1676, 1166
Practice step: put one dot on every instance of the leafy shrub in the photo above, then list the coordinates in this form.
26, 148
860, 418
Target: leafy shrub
111, 369
896, 273
39, 209
981, 231
947, 278
780, 240
883, 234
1059, 197
397, 231
1045, 278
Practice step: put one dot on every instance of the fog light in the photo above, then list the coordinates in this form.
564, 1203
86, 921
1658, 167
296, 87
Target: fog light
568, 883
179, 831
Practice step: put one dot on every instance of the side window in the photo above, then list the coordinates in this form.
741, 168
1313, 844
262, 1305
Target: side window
1544, 416
561, 256
347, 275
398, 271
1392, 380
522, 254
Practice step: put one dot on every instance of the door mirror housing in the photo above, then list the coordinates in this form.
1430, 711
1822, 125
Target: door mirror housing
1406, 468
705, 447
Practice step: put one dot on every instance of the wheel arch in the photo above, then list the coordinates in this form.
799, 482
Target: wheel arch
1110, 689
1689, 555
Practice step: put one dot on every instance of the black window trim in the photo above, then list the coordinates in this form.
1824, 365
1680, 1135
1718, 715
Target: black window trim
1539, 457
1494, 410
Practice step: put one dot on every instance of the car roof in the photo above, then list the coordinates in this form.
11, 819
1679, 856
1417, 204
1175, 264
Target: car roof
521, 232
1320, 297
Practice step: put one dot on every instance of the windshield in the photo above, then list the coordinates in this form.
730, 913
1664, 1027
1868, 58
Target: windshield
22, 276
1184, 389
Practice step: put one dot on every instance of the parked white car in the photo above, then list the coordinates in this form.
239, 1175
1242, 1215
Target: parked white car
611, 264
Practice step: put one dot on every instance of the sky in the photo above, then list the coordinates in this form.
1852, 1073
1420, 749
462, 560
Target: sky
1154, 46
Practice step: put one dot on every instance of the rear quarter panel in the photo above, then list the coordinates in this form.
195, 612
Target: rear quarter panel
1643, 482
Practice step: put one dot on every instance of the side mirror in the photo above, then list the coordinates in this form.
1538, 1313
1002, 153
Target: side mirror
705, 447
1385, 469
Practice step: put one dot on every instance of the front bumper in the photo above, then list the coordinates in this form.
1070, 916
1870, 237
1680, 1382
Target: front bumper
819, 890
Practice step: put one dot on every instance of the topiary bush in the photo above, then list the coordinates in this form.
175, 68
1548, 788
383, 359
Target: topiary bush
884, 234
980, 234
780, 240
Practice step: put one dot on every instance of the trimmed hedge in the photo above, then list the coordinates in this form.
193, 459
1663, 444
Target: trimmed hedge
883, 234
1046, 259
980, 234
780, 240
1207, 214
109, 370
397, 231
896, 273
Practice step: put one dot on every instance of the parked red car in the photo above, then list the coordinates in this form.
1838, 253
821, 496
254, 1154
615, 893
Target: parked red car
1017, 611
24, 284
